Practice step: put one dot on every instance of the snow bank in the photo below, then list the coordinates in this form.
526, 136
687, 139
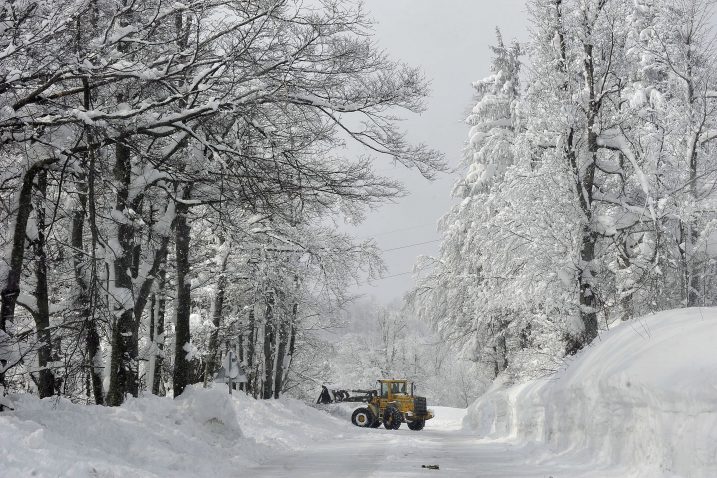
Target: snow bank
446, 418
342, 411
288, 423
643, 396
204, 432
197, 434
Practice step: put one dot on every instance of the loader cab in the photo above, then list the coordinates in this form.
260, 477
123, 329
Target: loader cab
390, 388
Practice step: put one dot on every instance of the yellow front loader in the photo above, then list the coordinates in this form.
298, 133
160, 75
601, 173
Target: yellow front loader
393, 403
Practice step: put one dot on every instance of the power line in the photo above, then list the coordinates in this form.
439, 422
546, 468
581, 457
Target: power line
411, 245
370, 282
394, 275
410, 228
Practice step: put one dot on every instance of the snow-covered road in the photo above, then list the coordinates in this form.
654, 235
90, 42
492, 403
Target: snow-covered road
641, 405
383, 453
208, 433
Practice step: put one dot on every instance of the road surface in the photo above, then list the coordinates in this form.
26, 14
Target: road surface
375, 453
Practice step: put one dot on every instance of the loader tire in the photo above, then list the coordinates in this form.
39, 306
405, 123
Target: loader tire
392, 418
417, 425
362, 417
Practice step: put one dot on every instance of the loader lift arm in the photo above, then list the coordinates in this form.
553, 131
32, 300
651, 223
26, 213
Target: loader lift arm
339, 395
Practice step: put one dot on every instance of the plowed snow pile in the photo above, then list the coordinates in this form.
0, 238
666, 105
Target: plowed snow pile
197, 434
201, 433
643, 396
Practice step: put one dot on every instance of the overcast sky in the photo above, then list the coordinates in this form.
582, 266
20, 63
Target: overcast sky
449, 39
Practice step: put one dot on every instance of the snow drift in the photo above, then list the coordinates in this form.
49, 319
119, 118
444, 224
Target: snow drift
204, 432
644, 395
197, 434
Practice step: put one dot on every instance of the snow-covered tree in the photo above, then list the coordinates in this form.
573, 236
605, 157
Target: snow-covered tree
603, 207
156, 120
492, 122
452, 295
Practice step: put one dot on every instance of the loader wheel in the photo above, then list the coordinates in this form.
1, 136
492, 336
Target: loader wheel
417, 425
392, 418
362, 417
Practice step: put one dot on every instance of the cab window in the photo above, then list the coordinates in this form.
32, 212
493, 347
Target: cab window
384, 390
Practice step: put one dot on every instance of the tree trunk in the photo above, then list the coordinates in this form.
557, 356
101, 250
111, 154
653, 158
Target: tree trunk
588, 300
292, 340
240, 342
182, 333
46, 379
93, 338
690, 275
123, 371
87, 292
269, 346
138, 303
502, 344
283, 339
584, 178
211, 364
85, 289
152, 359
182, 337
11, 288
250, 345
240, 352
626, 299
156, 379
692, 235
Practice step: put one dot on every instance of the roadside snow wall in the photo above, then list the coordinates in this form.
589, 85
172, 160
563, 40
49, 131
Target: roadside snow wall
644, 395
198, 434
201, 433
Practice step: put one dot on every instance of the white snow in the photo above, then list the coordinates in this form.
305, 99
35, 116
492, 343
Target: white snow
196, 435
146, 177
639, 403
209, 433
642, 398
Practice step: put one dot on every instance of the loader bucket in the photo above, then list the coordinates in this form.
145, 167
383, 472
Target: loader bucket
325, 396
338, 395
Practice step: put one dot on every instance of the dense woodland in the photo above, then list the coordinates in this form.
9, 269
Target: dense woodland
173, 181
589, 188
170, 180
